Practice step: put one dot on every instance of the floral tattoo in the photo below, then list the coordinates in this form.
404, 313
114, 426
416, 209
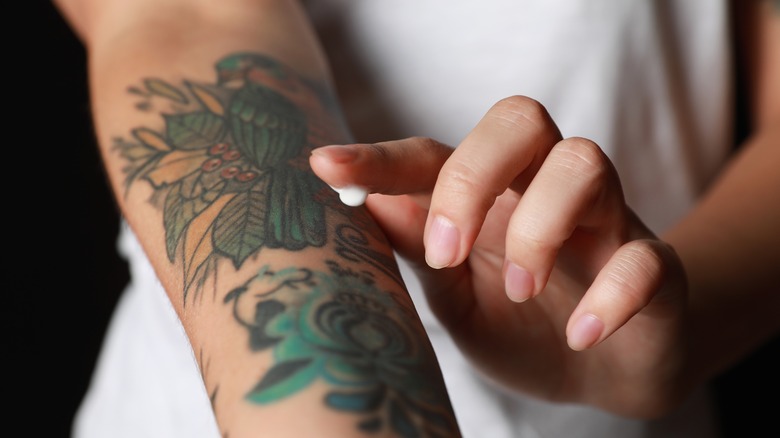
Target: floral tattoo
229, 171
340, 328
229, 167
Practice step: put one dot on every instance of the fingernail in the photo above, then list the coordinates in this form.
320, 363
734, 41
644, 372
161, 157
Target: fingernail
585, 332
519, 284
442, 244
337, 153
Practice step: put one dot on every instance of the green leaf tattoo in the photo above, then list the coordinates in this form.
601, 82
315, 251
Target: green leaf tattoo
229, 167
198, 130
340, 328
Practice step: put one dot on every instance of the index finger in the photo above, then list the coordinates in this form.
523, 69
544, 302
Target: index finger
505, 149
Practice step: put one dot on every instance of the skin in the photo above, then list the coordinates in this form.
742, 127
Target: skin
292, 302
236, 321
530, 247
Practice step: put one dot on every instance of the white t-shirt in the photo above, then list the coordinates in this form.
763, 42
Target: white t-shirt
650, 82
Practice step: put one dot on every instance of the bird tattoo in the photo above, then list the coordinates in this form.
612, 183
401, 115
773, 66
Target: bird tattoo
267, 119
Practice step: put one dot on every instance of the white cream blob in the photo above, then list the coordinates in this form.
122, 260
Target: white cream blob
352, 195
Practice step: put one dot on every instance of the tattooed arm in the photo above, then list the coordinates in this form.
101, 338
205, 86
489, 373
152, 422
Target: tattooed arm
292, 301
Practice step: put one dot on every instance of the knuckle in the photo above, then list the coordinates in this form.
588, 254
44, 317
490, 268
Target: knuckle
585, 152
460, 178
638, 273
428, 144
583, 157
532, 237
647, 254
379, 152
463, 181
520, 110
430, 150
410, 148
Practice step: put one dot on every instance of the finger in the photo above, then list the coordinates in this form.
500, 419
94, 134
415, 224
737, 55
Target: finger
401, 175
635, 276
504, 150
402, 219
575, 187
392, 168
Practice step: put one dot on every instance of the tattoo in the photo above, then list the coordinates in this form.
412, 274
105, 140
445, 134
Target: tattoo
340, 328
353, 245
229, 169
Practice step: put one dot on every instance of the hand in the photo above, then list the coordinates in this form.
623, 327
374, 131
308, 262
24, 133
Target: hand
530, 258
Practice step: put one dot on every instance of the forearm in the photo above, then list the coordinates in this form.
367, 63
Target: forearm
730, 243
730, 247
292, 302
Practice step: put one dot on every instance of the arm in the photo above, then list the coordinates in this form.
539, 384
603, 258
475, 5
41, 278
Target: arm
730, 243
292, 301
543, 218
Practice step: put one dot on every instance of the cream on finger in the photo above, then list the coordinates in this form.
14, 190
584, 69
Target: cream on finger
352, 196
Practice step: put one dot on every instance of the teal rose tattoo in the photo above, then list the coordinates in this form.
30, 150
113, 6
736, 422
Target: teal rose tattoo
341, 328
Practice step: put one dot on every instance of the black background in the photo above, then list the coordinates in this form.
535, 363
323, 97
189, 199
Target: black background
61, 225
